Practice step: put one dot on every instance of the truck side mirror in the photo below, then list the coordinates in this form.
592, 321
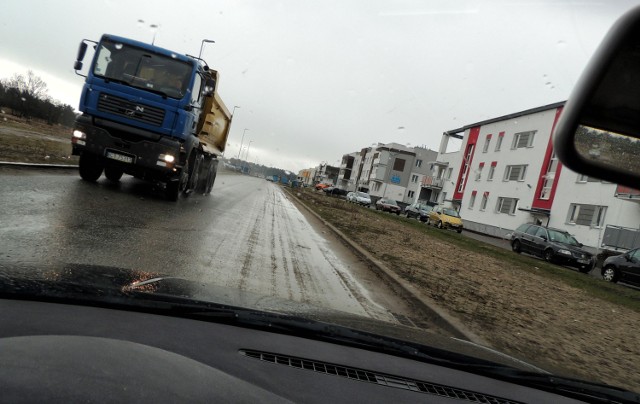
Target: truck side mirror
82, 50
598, 133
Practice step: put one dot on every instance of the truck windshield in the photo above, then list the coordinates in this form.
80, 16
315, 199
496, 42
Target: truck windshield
142, 69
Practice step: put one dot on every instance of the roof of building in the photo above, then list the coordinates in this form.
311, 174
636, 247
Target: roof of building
453, 132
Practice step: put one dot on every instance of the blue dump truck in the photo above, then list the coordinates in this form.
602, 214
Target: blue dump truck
150, 113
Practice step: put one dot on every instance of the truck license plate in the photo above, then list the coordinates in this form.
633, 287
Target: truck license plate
119, 157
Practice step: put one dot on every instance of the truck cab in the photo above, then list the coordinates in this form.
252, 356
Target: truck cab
142, 114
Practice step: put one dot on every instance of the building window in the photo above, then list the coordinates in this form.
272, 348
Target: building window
472, 200
444, 197
492, 171
398, 164
449, 173
585, 178
483, 203
523, 139
550, 175
486, 144
515, 173
414, 178
479, 172
586, 215
507, 205
418, 163
410, 194
499, 141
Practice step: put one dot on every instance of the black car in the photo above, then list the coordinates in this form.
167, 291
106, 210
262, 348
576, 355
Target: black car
418, 210
335, 191
554, 245
625, 268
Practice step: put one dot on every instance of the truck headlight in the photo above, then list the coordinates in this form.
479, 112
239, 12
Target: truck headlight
78, 134
168, 158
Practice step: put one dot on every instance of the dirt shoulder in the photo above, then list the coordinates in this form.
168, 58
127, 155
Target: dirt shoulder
34, 142
550, 316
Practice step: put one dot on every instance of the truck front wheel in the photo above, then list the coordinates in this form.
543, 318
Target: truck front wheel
90, 167
113, 174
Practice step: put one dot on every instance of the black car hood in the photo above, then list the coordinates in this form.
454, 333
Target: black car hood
572, 248
101, 285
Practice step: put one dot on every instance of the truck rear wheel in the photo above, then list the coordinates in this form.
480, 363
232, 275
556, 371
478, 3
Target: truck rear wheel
193, 173
204, 175
89, 167
211, 176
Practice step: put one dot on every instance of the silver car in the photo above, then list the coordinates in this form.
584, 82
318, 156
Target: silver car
361, 198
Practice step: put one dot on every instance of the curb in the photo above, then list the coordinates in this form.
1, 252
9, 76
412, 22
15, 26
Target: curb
453, 323
37, 165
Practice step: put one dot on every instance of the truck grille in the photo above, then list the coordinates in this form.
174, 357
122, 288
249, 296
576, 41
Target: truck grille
129, 109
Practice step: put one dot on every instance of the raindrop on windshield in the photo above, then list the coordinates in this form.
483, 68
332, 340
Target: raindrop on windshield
140, 23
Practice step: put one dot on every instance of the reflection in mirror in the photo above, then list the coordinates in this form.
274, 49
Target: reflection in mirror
608, 149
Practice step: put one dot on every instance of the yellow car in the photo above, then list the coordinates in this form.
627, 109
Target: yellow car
445, 218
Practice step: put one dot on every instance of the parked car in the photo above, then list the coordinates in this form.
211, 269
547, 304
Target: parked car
624, 267
358, 197
419, 211
388, 205
321, 186
334, 191
554, 245
445, 218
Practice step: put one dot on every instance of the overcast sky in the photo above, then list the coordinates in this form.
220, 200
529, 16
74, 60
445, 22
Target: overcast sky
317, 79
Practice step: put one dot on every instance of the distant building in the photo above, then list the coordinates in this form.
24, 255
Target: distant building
506, 174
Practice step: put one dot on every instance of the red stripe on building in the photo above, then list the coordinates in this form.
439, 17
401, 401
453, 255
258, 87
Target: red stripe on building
494, 163
482, 164
469, 151
547, 203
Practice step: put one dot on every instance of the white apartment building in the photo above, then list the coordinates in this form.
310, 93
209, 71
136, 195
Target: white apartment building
506, 174
392, 170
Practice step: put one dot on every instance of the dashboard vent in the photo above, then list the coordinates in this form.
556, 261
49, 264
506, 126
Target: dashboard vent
376, 378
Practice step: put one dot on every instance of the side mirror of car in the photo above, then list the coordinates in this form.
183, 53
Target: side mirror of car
598, 133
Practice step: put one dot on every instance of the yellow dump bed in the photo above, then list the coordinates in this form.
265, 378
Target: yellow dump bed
215, 122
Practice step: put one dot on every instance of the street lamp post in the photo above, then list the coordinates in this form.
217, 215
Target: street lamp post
246, 156
202, 45
241, 142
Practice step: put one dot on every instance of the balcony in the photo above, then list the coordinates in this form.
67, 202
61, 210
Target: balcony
429, 181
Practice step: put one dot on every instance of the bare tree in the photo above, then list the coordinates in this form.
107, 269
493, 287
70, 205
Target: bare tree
30, 84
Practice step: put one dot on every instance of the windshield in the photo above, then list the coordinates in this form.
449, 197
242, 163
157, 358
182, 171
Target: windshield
142, 69
416, 104
563, 238
451, 212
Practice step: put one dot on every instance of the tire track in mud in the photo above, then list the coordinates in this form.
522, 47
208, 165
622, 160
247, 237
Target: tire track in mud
301, 269
355, 291
274, 259
287, 257
252, 241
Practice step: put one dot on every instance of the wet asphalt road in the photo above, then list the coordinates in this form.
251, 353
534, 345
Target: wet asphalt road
246, 235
